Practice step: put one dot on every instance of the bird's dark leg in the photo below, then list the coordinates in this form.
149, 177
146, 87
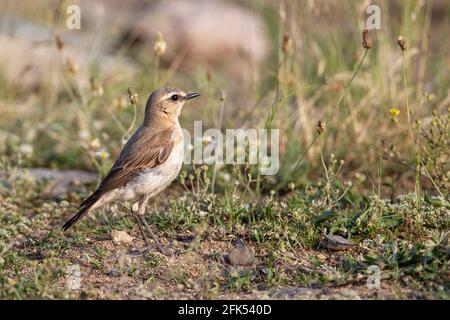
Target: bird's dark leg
158, 244
138, 220
141, 212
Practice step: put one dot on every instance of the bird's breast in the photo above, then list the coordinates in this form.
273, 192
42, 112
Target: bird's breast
154, 180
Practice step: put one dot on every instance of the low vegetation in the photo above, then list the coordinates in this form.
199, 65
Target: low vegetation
361, 194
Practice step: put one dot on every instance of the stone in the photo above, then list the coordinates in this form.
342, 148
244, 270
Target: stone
57, 182
121, 237
335, 243
203, 32
241, 255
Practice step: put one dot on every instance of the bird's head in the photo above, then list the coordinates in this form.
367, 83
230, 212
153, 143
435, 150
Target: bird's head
166, 103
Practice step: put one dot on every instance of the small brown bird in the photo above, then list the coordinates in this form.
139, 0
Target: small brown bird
149, 161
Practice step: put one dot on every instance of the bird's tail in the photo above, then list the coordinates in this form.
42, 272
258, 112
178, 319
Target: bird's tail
86, 205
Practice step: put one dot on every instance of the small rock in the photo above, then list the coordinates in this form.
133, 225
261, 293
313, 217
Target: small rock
57, 182
39, 235
121, 237
291, 293
113, 273
241, 255
35, 255
184, 238
335, 243
23, 242
239, 244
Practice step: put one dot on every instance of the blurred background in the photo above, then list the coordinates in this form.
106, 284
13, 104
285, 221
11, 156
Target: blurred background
64, 99
364, 148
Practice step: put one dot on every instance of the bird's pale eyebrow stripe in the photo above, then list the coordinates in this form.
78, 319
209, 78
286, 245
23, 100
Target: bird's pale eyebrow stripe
171, 93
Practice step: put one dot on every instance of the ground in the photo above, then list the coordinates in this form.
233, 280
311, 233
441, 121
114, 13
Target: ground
362, 190
408, 244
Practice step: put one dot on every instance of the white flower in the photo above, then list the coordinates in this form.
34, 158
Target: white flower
102, 154
26, 149
98, 124
225, 176
83, 134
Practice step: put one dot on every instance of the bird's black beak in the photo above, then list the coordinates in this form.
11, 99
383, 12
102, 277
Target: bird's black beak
192, 95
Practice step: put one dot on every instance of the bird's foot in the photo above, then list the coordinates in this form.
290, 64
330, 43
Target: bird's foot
143, 226
165, 250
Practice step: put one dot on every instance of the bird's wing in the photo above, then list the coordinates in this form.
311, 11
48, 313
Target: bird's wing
143, 151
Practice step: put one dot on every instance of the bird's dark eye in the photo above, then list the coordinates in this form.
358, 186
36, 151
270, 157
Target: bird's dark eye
174, 97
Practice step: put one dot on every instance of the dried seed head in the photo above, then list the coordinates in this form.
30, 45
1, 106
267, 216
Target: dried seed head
402, 43
71, 66
59, 42
133, 97
207, 140
222, 95
120, 102
321, 127
208, 75
95, 144
96, 87
367, 42
286, 42
160, 45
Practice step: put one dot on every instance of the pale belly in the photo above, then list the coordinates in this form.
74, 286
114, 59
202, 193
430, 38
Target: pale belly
150, 182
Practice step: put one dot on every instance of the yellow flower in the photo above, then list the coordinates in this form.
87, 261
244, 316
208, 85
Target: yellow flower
429, 97
102, 154
394, 112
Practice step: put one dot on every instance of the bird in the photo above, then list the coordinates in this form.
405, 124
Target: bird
150, 160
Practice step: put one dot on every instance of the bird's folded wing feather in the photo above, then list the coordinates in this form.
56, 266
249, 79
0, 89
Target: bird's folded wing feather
143, 151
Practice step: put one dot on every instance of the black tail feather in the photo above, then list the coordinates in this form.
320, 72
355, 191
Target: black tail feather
75, 218
85, 206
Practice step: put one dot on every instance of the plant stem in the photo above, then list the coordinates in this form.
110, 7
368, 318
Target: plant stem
132, 123
222, 107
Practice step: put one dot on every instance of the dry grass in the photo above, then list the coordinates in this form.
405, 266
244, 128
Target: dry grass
386, 112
